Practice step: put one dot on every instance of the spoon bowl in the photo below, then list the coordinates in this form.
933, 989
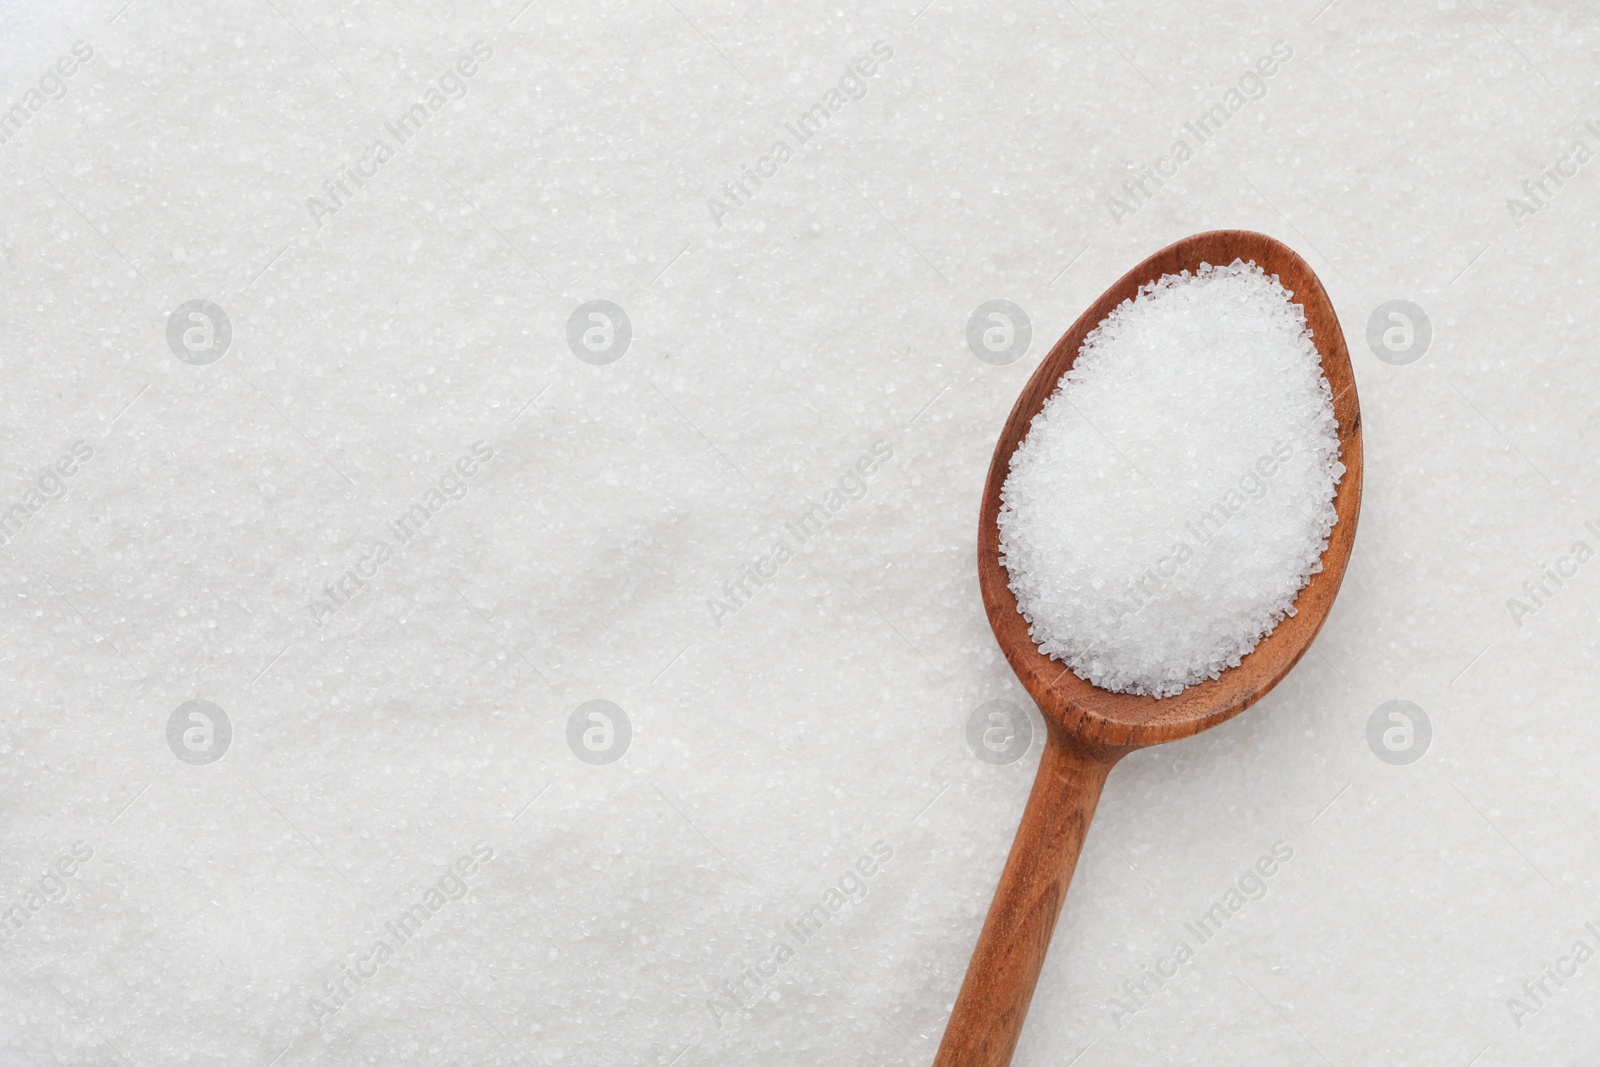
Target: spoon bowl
1088, 728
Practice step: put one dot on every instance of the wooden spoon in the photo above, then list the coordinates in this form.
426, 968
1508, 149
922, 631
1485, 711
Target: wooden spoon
1089, 729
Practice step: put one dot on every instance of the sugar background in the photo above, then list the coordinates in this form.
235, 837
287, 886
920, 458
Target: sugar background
433, 711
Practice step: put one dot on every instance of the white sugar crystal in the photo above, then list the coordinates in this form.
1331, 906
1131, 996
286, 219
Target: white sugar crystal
633, 910
1175, 493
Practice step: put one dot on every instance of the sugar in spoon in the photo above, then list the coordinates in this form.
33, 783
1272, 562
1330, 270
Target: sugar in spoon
1088, 729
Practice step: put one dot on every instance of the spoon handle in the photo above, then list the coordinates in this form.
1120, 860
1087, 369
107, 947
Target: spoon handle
993, 1002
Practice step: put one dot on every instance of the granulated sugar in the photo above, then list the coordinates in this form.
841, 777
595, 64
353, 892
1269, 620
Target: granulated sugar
388, 716
1175, 493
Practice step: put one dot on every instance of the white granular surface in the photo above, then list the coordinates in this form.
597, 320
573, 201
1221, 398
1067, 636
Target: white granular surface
642, 913
1175, 492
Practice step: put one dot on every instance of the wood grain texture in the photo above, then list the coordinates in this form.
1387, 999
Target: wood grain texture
1091, 728
994, 998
